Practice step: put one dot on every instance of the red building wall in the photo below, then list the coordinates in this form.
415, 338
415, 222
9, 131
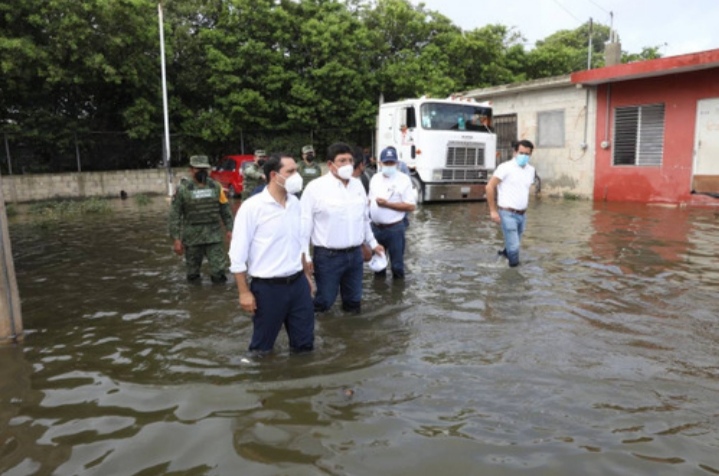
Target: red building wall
670, 182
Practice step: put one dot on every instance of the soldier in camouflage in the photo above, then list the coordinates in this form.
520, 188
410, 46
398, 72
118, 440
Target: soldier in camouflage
252, 175
307, 167
198, 207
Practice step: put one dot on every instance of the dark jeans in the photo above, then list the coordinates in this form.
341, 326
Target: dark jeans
338, 271
393, 240
283, 304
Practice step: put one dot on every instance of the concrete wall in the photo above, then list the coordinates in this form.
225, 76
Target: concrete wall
671, 182
563, 170
27, 188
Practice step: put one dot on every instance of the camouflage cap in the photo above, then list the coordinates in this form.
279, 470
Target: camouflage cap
308, 149
260, 153
199, 162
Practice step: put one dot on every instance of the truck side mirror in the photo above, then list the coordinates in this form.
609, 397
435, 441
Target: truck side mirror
411, 118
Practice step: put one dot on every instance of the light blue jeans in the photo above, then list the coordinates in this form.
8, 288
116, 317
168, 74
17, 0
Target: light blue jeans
512, 229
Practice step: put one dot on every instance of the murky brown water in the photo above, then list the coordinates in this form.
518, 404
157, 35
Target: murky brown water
598, 356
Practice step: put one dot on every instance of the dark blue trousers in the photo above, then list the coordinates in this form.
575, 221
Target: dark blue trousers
283, 304
393, 240
338, 271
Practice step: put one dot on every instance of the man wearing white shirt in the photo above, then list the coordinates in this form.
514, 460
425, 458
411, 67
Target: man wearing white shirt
268, 249
335, 219
510, 186
391, 198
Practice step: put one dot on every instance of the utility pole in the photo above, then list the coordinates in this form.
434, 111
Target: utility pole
166, 151
11, 330
589, 51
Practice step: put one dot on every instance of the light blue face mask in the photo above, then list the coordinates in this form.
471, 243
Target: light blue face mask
522, 160
389, 170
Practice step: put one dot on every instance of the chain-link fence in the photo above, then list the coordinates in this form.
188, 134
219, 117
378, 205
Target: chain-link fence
101, 151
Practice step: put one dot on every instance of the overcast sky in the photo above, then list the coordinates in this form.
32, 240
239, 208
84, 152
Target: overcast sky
678, 27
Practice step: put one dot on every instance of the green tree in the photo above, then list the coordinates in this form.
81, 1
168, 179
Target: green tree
72, 66
487, 56
276, 69
567, 51
410, 50
647, 53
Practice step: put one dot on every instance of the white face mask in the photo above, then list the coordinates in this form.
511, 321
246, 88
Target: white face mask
345, 172
293, 184
389, 170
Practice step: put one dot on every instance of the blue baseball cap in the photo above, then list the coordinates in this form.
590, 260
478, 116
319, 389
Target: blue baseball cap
388, 155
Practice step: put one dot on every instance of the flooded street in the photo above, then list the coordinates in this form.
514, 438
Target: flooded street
598, 356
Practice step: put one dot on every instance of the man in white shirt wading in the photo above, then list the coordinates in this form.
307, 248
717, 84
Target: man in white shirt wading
268, 248
508, 192
391, 197
335, 218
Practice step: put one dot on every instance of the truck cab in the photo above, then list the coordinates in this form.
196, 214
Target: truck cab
448, 145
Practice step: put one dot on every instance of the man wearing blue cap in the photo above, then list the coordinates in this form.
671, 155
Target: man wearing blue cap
391, 198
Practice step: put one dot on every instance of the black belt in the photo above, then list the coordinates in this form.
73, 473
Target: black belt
518, 212
386, 225
338, 250
283, 280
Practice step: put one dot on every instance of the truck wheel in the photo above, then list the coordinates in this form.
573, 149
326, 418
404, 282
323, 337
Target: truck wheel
231, 192
418, 190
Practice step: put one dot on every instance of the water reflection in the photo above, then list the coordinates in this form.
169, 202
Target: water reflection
597, 356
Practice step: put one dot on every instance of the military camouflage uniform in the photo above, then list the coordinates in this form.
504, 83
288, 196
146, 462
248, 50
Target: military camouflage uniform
309, 172
195, 217
252, 177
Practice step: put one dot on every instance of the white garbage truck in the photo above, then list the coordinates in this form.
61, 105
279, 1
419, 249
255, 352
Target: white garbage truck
449, 145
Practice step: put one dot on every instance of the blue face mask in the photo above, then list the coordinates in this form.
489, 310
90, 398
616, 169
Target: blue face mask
389, 170
522, 160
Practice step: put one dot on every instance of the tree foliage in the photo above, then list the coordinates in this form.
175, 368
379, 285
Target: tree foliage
284, 67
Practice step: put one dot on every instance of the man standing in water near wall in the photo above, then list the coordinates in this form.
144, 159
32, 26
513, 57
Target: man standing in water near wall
508, 197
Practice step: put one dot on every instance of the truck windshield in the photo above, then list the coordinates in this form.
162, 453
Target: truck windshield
462, 117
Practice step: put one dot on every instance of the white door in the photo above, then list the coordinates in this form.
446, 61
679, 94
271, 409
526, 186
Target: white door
706, 147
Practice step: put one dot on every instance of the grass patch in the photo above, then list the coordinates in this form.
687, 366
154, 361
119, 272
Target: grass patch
68, 208
142, 200
571, 196
10, 210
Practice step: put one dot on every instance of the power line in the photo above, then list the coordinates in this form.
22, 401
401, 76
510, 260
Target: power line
599, 6
566, 10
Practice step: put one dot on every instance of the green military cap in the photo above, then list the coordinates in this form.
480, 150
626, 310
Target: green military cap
199, 162
260, 153
308, 149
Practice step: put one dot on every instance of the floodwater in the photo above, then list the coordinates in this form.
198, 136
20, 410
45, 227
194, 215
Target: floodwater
598, 356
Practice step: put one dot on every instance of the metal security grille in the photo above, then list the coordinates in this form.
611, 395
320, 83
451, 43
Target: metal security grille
639, 135
465, 162
465, 155
505, 126
460, 175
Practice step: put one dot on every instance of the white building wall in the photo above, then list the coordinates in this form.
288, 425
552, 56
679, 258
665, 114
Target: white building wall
564, 171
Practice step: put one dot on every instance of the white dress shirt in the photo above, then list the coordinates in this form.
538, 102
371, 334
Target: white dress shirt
513, 188
395, 189
267, 237
335, 215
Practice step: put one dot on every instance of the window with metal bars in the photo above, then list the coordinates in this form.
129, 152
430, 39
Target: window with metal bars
639, 135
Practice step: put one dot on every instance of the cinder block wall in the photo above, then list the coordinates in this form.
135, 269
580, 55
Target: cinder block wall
567, 169
28, 188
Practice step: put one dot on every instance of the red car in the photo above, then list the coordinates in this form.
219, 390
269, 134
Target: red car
227, 172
